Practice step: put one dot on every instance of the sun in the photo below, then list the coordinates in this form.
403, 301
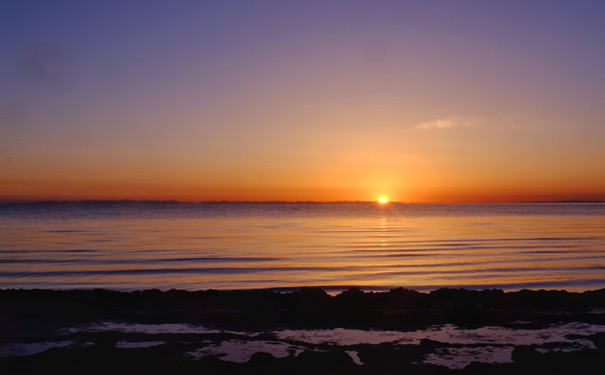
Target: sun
382, 200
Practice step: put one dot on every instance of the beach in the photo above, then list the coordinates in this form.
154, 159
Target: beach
308, 331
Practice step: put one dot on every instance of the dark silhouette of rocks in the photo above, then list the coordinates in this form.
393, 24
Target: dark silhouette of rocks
29, 316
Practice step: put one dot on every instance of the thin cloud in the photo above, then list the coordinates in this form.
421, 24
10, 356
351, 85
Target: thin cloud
446, 123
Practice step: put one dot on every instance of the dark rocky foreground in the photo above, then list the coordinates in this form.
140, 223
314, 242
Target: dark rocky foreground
101, 331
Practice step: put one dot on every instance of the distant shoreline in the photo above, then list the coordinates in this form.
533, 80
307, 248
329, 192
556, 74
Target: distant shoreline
176, 202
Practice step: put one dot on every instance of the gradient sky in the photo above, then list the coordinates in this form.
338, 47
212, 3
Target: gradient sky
419, 101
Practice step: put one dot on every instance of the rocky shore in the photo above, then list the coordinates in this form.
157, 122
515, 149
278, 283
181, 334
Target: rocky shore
307, 331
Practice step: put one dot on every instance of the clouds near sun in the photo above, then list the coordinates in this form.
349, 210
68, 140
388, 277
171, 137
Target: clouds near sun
443, 123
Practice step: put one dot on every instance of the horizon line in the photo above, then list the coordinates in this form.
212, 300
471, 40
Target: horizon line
175, 201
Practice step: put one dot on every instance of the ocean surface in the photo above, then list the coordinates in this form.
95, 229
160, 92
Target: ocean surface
132, 246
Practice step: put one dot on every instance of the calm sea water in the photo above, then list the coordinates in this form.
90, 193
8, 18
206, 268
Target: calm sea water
283, 246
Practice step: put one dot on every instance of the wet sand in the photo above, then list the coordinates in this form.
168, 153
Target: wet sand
250, 332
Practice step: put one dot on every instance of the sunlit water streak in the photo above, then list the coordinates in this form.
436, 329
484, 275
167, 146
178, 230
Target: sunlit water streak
282, 246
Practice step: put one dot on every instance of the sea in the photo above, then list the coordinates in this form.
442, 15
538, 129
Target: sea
284, 246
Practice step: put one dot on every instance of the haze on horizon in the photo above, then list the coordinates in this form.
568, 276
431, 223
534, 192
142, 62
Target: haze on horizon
417, 101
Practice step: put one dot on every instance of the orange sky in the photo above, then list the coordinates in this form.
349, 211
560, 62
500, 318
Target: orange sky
418, 103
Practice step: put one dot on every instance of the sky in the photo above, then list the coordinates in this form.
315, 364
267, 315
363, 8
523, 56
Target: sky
417, 101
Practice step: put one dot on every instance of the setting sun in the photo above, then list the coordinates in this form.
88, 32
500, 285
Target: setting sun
382, 200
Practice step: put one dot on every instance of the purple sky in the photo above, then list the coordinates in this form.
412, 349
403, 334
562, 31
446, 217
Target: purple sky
302, 100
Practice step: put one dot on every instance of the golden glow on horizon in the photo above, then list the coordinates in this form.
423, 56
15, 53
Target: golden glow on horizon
382, 200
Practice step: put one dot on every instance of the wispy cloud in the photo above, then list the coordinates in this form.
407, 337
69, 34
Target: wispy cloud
445, 123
